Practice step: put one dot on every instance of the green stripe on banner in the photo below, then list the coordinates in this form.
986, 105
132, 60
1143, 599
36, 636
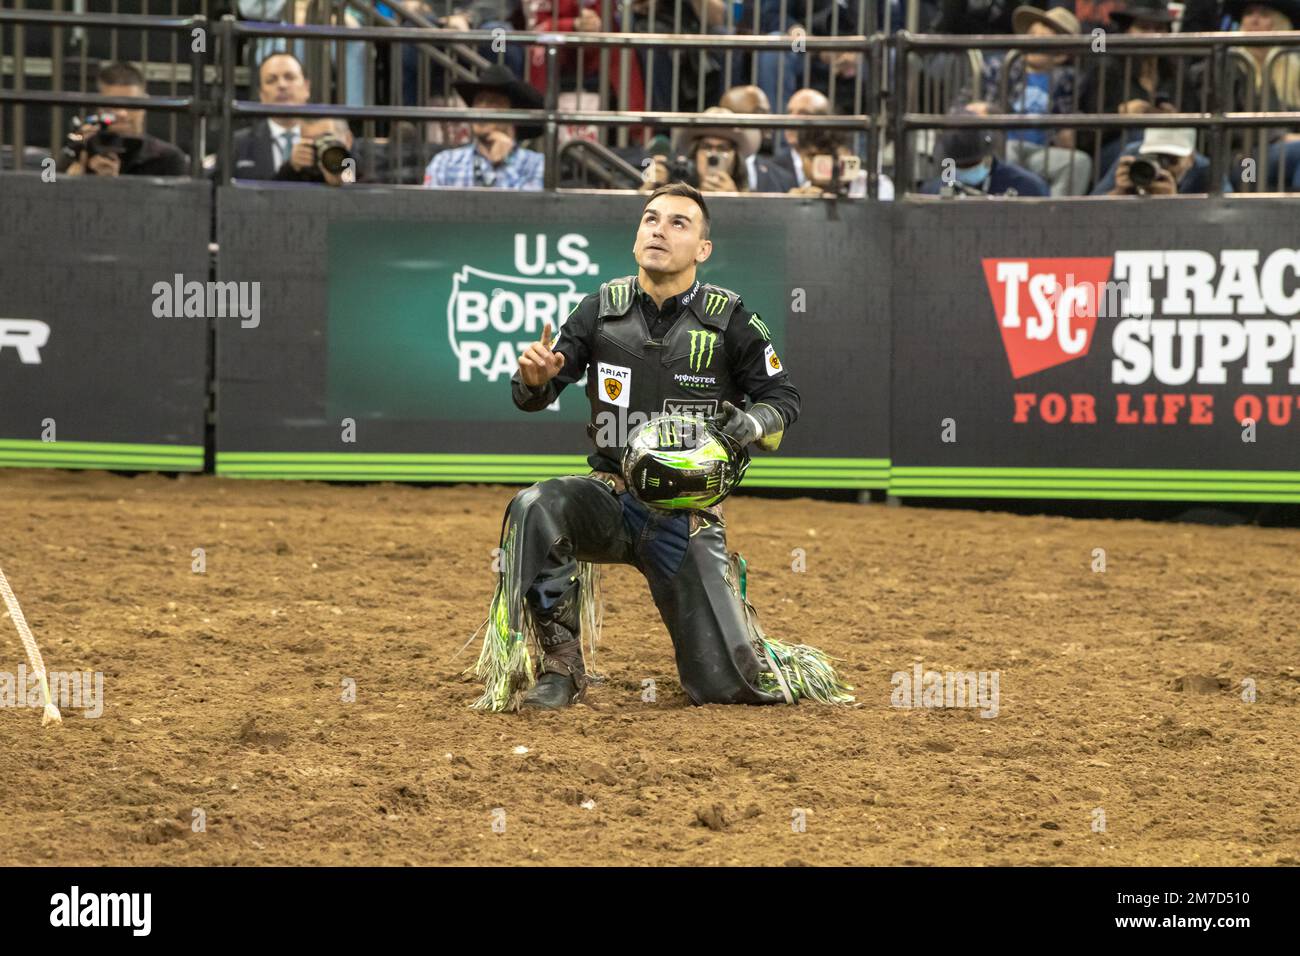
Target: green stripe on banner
1106, 494
910, 471
115, 448
109, 456
1164, 484
343, 466
1076, 483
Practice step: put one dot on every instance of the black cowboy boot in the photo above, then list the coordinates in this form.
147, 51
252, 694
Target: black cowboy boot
563, 678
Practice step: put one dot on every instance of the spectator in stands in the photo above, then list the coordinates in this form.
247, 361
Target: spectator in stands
764, 175
718, 156
695, 16
805, 145
827, 18
1134, 85
475, 15
320, 153
805, 102
1040, 83
298, 12
969, 168
1172, 166
973, 16
1199, 16
125, 149
823, 153
265, 147
494, 157
579, 16
1281, 83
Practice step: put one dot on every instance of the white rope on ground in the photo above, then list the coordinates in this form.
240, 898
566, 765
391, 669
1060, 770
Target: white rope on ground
34, 659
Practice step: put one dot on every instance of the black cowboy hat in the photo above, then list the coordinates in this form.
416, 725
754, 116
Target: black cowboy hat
1288, 8
1130, 10
499, 79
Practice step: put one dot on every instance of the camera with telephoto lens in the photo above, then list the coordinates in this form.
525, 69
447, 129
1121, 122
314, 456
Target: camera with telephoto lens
102, 140
1144, 171
331, 154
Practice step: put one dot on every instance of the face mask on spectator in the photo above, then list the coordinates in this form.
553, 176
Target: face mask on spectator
973, 175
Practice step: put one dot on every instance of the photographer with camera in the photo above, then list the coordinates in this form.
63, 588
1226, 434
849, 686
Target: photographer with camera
715, 159
264, 148
321, 155
113, 141
1163, 163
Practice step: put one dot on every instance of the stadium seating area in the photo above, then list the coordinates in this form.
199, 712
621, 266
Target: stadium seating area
856, 98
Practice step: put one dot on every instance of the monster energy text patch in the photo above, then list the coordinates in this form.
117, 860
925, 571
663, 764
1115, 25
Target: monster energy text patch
695, 381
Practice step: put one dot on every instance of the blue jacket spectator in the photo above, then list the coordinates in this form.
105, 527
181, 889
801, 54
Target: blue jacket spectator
969, 168
1182, 169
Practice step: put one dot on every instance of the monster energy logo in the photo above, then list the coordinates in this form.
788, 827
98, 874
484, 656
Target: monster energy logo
714, 481
618, 294
702, 348
652, 482
714, 303
761, 326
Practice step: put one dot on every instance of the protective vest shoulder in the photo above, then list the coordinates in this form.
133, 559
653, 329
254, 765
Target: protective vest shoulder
712, 304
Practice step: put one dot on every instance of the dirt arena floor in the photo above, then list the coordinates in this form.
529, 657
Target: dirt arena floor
1121, 693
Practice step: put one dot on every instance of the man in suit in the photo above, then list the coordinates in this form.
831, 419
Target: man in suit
265, 147
764, 175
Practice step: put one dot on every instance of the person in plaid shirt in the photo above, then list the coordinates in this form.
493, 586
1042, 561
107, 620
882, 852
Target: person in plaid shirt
494, 158
1044, 84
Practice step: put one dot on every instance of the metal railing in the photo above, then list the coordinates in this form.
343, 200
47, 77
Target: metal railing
550, 117
917, 100
19, 96
1216, 119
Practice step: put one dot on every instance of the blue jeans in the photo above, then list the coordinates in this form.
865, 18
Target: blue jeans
1287, 156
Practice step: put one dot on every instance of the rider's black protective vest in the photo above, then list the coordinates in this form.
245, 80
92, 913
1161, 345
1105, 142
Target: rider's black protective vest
686, 372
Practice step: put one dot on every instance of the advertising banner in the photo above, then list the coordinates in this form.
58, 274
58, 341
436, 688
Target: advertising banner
97, 369
1141, 350
392, 330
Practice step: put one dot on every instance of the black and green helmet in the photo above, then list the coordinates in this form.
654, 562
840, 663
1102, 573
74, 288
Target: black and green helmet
677, 462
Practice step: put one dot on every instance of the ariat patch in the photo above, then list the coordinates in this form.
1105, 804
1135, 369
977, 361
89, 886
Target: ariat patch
614, 383
770, 361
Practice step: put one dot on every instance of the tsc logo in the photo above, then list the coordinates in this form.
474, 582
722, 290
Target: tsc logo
702, 343
615, 381
1046, 308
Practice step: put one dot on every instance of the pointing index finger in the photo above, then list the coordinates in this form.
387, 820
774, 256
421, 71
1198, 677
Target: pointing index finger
546, 335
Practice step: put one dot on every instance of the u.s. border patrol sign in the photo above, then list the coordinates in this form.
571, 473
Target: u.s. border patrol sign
426, 321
